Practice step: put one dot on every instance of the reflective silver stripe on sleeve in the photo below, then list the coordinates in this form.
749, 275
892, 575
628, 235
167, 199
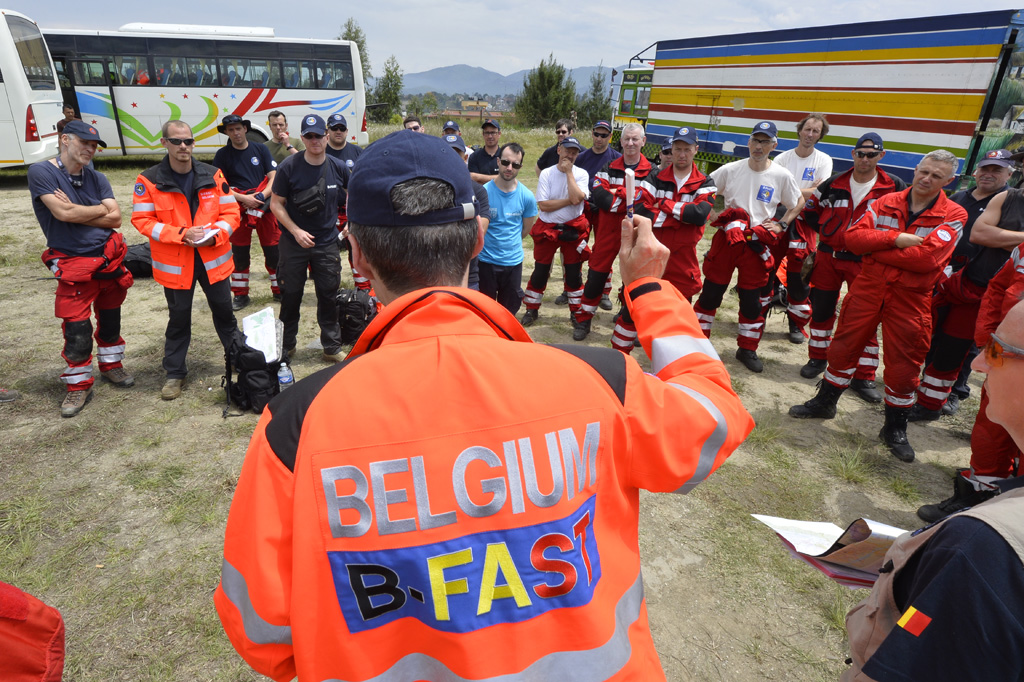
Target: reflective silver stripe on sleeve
228, 199
923, 231
666, 350
589, 665
225, 226
155, 234
164, 267
715, 441
257, 630
706, 190
211, 264
887, 221
139, 208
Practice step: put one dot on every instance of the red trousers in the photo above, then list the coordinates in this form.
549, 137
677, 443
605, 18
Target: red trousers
993, 451
827, 279
75, 304
269, 234
956, 303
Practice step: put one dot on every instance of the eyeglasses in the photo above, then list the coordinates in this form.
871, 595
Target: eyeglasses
491, 132
867, 155
762, 141
506, 163
312, 136
601, 135
337, 128
188, 142
561, 132
996, 350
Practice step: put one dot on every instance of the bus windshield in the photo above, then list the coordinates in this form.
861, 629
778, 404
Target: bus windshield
35, 60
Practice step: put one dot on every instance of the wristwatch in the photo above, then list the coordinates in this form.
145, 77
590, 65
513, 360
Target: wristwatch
289, 147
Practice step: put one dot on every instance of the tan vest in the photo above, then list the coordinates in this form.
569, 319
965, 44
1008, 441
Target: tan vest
869, 622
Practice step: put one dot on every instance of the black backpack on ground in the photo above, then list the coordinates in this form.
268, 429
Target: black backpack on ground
257, 379
355, 310
139, 261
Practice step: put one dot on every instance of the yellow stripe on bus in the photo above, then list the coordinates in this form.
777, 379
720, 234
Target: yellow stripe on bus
906, 53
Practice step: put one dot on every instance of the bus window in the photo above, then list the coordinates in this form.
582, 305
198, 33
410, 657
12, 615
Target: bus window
62, 76
131, 70
335, 75
298, 74
200, 71
169, 71
626, 106
35, 60
643, 99
89, 73
250, 73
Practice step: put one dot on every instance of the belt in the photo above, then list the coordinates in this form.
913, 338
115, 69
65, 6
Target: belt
839, 255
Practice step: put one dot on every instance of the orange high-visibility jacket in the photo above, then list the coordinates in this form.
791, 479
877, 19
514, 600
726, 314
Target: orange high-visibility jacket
161, 212
455, 502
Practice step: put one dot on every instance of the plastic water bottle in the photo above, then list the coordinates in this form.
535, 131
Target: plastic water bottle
285, 378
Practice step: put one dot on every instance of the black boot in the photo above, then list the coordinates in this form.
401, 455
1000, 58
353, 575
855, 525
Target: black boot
580, 330
796, 335
920, 413
894, 433
813, 368
964, 496
821, 406
866, 389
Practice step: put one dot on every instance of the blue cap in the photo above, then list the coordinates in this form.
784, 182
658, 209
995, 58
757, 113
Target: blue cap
491, 122
405, 155
686, 134
83, 131
766, 128
456, 141
996, 157
871, 141
311, 123
335, 120
603, 124
571, 143
451, 125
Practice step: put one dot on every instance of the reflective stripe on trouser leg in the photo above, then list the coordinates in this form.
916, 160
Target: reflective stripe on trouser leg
575, 299
274, 288
240, 282
867, 364
935, 387
894, 399
532, 299
799, 312
78, 377
111, 355
838, 377
820, 340
361, 282
705, 317
750, 331
624, 333
608, 285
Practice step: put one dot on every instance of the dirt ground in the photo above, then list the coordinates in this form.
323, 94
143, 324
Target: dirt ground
116, 517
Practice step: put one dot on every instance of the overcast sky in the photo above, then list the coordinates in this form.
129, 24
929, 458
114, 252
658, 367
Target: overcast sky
504, 36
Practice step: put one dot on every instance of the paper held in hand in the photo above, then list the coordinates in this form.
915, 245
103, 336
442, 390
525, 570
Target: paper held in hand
630, 191
851, 557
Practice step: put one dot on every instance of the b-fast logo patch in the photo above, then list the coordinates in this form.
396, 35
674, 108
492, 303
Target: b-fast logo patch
765, 193
808, 174
475, 581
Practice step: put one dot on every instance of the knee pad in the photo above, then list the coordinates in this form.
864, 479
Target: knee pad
109, 322
711, 295
77, 340
823, 304
750, 303
573, 275
271, 256
541, 272
241, 256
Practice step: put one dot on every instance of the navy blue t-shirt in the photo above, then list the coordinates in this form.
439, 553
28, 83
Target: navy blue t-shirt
73, 239
483, 163
347, 154
592, 163
295, 175
245, 168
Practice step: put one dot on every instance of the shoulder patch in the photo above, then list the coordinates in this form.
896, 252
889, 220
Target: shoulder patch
226, 188
944, 235
140, 189
608, 362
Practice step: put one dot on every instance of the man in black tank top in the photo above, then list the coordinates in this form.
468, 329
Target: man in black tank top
975, 261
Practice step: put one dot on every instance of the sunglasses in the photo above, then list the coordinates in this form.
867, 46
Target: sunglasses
867, 155
414, 128
996, 350
561, 132
337, 128
312, 136
188, 141
601, 135
506, 163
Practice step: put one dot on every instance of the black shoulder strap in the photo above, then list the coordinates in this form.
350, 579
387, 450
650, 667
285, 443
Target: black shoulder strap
608, 362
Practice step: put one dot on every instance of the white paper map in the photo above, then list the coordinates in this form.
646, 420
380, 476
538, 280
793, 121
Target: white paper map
260, 331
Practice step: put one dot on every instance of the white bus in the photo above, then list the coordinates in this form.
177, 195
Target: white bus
30, 101
129, 82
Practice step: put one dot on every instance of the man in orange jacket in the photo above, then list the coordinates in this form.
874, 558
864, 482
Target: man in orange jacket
186, 209
495, 537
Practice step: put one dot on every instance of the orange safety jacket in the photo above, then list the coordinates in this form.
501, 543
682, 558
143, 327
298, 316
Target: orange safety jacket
456, 521
163, 213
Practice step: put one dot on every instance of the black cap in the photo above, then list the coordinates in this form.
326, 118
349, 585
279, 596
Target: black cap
233, 118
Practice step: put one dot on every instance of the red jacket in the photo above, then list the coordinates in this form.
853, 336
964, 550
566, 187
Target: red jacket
829, 211
453, 522
1004, 291
916, 268
608, 192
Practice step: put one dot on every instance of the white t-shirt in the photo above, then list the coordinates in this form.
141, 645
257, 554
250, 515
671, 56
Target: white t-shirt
680, 181
551, 184
759, 194
808, 172
859, 190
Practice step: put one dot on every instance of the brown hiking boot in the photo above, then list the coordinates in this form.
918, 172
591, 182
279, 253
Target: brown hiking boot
119, 377
171, 389
74, 401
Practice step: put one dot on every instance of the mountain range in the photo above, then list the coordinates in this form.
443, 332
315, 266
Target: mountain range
474, 79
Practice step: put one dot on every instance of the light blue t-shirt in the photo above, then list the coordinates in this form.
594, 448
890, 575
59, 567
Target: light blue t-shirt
503, 243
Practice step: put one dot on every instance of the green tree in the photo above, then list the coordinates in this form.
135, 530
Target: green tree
429, 103
414, 107
597, 104
549, 93
387, 91
352, 31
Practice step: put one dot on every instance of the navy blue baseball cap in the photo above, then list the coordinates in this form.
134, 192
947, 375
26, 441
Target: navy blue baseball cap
491, 122
83, 131
337, 120
685, 134
571, 143
766, 128
451, 125
457, 142
996, 157
603, 124
870, 141
311, 123
406, 155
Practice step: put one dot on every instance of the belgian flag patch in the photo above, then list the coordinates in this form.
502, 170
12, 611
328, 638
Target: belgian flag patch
914, 622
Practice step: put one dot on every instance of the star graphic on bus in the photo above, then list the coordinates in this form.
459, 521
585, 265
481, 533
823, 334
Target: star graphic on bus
185, 96
94, 121
135, 105
232, 95
161, 95
215, 95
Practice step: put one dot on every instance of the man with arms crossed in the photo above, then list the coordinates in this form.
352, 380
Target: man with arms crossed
456, 563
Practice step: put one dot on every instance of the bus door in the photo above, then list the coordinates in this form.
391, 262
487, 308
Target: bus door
67, 90
94, 79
